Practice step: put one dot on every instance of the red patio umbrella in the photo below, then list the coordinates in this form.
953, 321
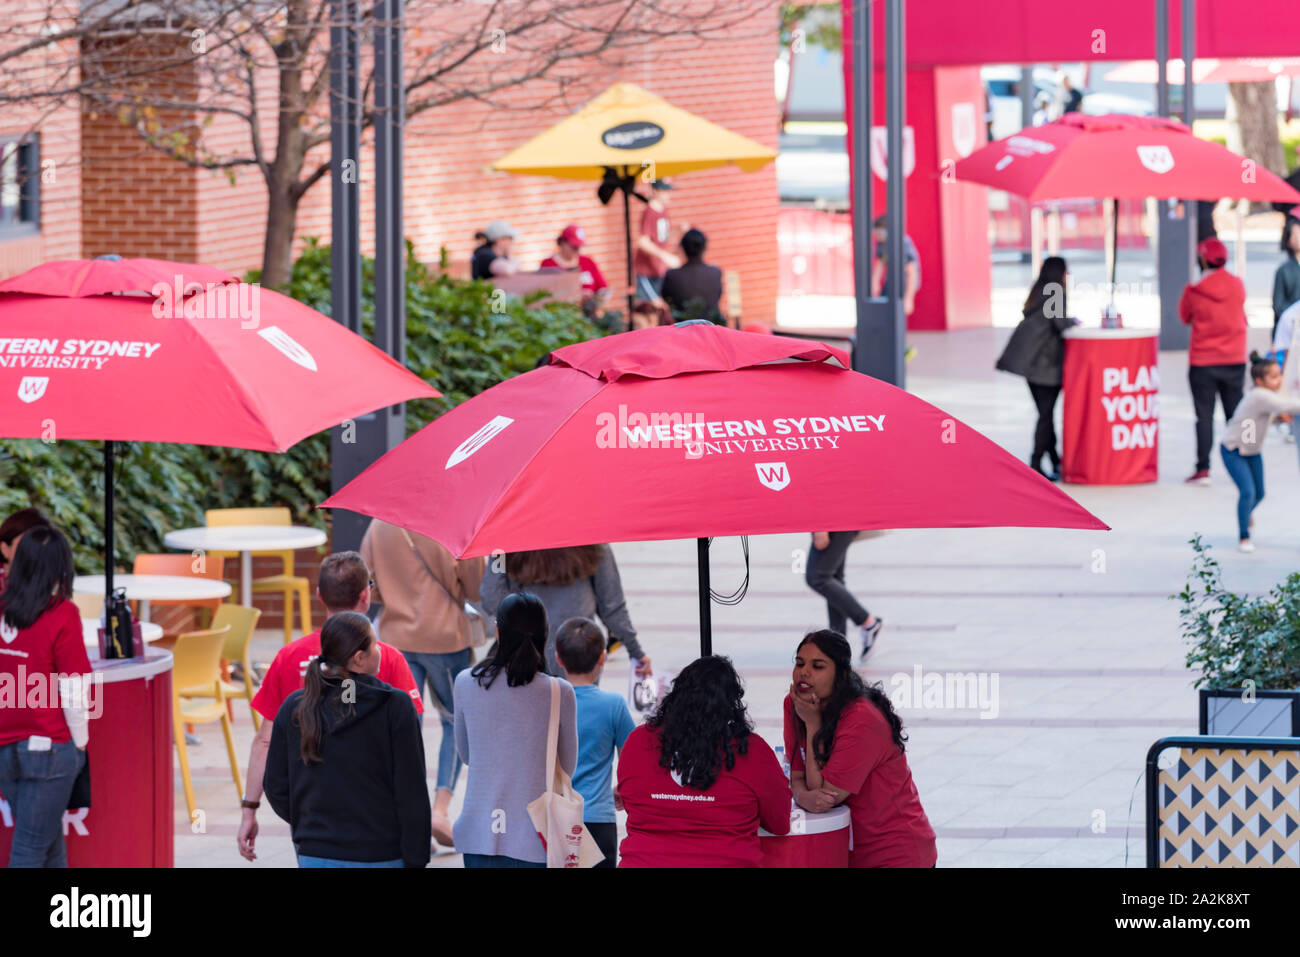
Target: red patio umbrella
1118, 157
695, 431
154, 351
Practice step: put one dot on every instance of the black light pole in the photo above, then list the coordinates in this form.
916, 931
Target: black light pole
706, 593
108, 522
878, 346
356, 444
1175, 238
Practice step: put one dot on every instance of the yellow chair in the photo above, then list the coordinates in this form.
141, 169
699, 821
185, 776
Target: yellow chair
197, 664
89, 606
287, 583
242, 621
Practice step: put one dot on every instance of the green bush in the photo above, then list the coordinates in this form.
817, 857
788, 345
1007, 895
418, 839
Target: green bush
1235, 638
462, 337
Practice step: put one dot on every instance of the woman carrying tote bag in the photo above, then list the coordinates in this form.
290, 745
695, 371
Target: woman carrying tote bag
503, 734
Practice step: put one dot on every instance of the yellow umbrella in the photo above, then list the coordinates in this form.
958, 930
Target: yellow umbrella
628, 132
628, 128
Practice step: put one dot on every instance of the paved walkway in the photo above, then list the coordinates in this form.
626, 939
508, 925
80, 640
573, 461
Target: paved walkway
1075, 628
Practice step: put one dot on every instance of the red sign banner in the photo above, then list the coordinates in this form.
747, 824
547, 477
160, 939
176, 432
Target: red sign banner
1111, 416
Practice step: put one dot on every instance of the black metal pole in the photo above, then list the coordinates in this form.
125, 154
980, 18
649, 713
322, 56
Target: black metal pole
706, 609
108, 521
1114, 246
861, 173
1175, 237
627, 239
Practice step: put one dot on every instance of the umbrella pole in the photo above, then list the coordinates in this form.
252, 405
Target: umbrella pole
627, 238
706, 611
1114, 246
108, 521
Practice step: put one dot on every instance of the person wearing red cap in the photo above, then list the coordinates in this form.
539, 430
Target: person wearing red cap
1215, 308
595, 291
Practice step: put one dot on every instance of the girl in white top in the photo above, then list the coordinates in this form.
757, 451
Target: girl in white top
1243, 438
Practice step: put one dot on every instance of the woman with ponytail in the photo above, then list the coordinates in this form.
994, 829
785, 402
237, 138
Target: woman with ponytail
345, 765
845, 744
503, 710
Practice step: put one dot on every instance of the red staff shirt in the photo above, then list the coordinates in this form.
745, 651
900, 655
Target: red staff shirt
890, 828
669, 825
655, 224
288, 672
589, 273
31, 659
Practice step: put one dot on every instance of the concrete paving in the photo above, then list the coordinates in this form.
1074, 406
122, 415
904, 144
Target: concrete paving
1076, 627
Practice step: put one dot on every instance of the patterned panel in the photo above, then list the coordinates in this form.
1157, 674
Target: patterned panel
1230, 808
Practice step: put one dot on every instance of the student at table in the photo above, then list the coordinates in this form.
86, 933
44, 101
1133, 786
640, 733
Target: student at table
11, 533
695, 779
346, 762
343, 586
42, 749
845, 745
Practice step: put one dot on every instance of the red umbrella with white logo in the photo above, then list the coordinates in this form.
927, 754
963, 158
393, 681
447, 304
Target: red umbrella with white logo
1116, 157
714, 432
153, 351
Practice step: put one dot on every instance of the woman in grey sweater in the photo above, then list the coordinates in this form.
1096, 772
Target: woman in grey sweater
577, 582
503, 710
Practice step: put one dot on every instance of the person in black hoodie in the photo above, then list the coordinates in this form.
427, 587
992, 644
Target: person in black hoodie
1286, 281
1036, 351
346, 766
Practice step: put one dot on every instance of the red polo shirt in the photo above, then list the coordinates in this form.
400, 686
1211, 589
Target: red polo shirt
288, 672
669, 825
30, 661
890, 828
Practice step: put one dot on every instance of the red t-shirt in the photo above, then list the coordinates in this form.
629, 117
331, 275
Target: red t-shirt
590, 275
890, 828
52, 646
654, 223
669, 825
289, 670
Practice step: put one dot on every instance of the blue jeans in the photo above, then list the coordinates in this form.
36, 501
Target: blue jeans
1247, 471
37, 785
498, 860
440, 670
305, 861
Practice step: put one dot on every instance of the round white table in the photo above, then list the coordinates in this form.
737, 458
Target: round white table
244, 539
90, 631
147, 588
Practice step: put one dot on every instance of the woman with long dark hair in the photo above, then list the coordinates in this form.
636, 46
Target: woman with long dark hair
1036, 350
577, 582
695, 779
12, 530
845, 744
42, 748
503, 711
345, 765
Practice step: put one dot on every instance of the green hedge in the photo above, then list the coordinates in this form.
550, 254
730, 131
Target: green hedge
460, 336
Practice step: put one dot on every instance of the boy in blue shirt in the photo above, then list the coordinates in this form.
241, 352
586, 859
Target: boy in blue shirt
604, 723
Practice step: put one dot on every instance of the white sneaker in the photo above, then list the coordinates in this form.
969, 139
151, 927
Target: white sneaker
1246, 546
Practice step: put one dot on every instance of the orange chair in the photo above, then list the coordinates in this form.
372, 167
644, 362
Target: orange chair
182, 564
286, 583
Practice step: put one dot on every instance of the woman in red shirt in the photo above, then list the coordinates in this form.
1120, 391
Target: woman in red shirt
845, 745
696, 781
43, 719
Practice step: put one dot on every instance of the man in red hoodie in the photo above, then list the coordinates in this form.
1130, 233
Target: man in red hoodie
1215, 308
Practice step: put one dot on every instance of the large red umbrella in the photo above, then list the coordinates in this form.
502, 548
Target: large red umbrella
1118, 157
695, 431
153, 351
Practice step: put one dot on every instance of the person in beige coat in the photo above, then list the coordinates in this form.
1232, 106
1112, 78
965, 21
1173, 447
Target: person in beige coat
424, 590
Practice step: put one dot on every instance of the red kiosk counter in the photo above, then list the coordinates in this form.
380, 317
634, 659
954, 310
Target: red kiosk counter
130, 820
1111, 415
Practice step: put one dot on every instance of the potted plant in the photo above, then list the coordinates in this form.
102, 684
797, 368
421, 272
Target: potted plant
1239, 643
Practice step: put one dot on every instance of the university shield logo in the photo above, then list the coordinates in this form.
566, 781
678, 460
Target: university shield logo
288, 346
880, 151
1158, 159
32, 387
963, 128
7, 631
476, 441
775, 475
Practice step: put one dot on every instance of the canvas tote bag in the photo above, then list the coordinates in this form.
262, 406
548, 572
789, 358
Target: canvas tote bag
557, 812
